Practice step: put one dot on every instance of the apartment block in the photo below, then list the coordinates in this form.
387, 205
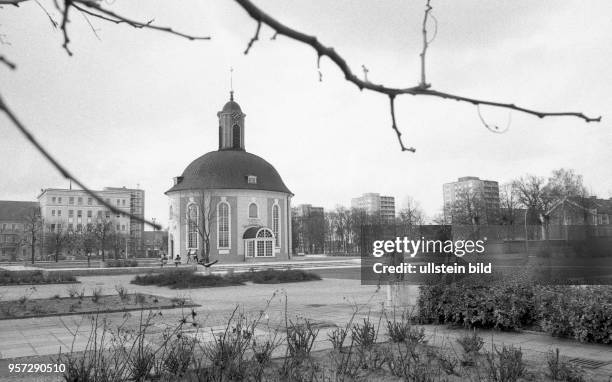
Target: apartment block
375, 204
471, 200
73, 209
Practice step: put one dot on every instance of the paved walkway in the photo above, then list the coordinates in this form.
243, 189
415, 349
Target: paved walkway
330, 302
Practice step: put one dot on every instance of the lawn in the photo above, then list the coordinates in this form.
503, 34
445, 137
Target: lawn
184, 279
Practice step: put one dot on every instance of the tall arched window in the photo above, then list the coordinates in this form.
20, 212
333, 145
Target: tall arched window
236, 136
192, 226
223, 225
253, 213
276, 224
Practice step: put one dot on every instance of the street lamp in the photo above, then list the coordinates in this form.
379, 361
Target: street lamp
526, 236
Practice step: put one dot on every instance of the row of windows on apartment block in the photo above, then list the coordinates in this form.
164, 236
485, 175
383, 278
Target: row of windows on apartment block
79, 213
8, 239
223, 226
79, 200
10, 226
79, 227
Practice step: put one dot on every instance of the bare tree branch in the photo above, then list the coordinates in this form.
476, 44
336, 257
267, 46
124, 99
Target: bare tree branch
321, 50
51, 19
494, 128
394, 126
7, 62
64, 26
94, 9
253, 39
65, 173
109, 15
93, 29
426, 42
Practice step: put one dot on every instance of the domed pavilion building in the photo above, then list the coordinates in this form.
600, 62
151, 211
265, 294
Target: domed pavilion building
230, 205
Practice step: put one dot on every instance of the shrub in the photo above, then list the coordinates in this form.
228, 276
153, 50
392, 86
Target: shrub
505, 365
272, 276
140, 298
96, 294
36, 277
364, 335
504, 305
337, 337
177, 355
300, 338
122, 292
582, 313
471, 343
121, 263
184, 279
562, 371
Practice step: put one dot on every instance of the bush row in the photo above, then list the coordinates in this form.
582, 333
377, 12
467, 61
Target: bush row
35, 277
183, 279
580, 312
121, 263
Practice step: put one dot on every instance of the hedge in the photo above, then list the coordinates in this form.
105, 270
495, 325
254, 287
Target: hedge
580, 312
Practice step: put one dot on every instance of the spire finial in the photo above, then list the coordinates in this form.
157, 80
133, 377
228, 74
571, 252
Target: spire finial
231, 84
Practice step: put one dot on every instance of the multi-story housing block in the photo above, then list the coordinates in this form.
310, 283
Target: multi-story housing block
471, 200
375, 204
75, 210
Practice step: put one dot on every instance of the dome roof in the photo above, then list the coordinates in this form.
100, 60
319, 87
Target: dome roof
231, 106
229, 169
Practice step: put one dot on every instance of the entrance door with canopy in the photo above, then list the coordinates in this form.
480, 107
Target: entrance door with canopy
258, 242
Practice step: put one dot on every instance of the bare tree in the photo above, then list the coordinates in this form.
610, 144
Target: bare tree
534, 195
468, 208
118, 241
32, 230
85, 241
565, 183
56, 239
102, 232
202, 219
509, 204
411, 214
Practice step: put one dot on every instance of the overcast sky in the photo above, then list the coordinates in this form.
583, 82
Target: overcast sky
137, 106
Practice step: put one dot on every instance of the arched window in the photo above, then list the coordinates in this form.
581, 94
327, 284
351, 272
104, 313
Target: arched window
236, 136
170, 212
276, 224
264, 243
253, 213
192, 226
223, 225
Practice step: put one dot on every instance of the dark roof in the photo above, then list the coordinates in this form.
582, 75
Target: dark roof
231, 106
228, 169
251, 232
15, 211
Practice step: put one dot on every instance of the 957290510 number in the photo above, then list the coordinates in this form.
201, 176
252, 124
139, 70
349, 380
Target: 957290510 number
36, 367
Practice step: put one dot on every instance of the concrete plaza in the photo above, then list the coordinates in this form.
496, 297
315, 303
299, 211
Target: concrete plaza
330, 302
